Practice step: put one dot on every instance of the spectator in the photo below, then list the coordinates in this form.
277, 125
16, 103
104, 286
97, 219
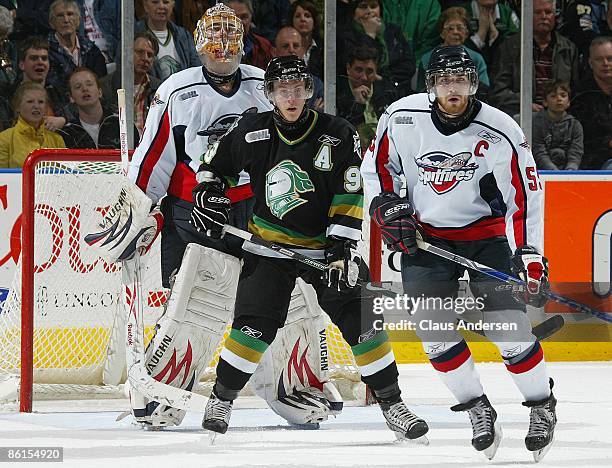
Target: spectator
101, 24
454, 30
554, 58
34, 66
29, 133
145, 86
592, 105
304, 17
362, 95
557, 135
289, 42
31, 18
417, 19
396, 61
491, 23
8, 52
192, 11
68, 49
94, 126
176, 48
257, 49
269, 16
583, 20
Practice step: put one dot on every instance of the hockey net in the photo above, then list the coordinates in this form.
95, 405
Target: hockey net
61, 332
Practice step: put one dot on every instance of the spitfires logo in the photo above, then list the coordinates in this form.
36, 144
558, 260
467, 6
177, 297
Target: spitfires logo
443, 171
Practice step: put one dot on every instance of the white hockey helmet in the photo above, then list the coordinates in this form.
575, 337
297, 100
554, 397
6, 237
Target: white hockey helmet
218, 40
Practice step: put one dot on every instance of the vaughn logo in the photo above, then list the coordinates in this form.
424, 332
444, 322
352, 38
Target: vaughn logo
443, 171
172, 368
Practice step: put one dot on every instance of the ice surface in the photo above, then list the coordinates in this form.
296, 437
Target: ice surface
358, 437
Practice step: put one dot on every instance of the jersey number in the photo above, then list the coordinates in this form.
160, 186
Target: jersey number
352, 179
532, 175
322, 160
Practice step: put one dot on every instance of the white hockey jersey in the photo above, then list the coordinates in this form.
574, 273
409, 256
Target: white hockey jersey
476, 183
187, 116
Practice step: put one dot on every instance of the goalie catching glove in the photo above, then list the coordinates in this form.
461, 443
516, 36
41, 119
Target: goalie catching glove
343, 260
532, 268
128, 226
398, 226
211, 207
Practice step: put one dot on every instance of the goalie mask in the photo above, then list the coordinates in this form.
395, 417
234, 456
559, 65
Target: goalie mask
451, 72
218, 41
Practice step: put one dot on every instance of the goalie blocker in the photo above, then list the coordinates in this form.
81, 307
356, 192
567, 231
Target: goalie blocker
291, 377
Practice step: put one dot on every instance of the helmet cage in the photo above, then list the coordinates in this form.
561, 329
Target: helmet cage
218, 37
436, 78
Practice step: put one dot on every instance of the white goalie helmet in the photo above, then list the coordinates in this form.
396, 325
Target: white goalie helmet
218, 40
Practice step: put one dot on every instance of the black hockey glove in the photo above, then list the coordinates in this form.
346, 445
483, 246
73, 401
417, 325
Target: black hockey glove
532, 268
343, 260
211, 207
395, 217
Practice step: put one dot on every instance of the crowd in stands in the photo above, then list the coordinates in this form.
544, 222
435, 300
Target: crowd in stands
59, 64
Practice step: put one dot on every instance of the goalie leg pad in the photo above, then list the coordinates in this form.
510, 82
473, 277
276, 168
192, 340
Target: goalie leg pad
199, 308
293, 375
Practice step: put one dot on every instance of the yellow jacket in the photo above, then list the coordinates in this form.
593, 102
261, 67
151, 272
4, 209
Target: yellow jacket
17, 142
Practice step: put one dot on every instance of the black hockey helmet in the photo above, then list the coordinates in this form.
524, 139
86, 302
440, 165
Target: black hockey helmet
450, 60
285, 69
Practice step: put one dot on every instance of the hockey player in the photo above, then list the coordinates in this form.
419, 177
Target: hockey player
191, 111
304, 169
471, 188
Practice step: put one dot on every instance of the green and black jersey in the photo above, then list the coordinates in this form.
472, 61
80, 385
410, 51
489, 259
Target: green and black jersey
307, 189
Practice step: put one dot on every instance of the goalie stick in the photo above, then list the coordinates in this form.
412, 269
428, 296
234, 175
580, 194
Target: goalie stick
542, 331
138, 377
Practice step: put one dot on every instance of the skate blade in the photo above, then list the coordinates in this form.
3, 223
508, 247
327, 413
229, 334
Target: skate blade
402, 439
150, 428
492, 449
123, 415
305, 426
539, 454
212, 437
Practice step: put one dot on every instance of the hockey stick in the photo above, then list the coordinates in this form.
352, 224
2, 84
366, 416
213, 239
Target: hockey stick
138, 377
541, 331
509, 279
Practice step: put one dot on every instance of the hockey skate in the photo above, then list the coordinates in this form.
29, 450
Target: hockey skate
486, 431
404, 423
216, 416
542, 421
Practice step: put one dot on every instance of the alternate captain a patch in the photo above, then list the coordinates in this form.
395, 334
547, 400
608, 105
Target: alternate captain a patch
284, 183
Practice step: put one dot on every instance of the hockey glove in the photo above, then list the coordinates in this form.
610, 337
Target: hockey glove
398, 226
343, 260
126, 227
532, 268
211, 207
